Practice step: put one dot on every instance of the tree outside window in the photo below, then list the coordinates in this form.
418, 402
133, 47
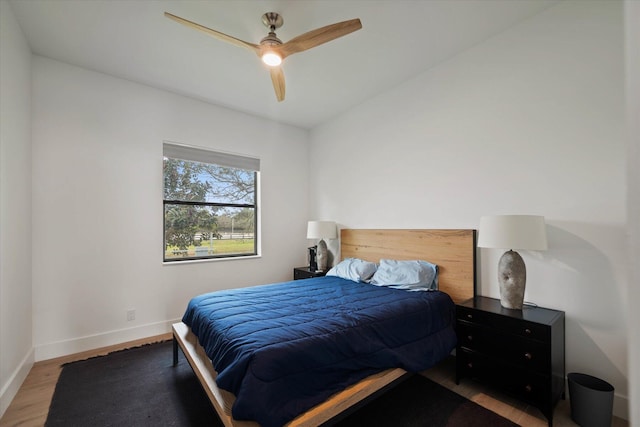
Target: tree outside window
210, 207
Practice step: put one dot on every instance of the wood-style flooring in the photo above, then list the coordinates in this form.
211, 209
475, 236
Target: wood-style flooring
30, 406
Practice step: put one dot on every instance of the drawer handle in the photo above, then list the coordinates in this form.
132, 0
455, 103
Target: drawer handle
470, 365
470, 337
527, 331
528, 356
469, 316
528, 388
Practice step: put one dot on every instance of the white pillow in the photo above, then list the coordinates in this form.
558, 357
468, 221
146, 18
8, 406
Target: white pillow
411, 275
354, 269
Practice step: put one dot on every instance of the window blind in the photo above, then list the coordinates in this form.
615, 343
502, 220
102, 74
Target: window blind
194, 154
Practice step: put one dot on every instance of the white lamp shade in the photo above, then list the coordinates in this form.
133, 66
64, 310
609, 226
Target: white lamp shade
321, 230
526, 232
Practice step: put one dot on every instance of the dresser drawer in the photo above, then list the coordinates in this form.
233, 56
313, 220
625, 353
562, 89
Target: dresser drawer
526, 385
519, 327
521, 352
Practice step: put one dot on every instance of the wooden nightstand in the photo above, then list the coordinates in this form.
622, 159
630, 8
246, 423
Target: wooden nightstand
521, 352
305, 273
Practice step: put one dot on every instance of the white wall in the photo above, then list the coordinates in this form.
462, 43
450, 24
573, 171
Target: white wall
632, 27
530, 121
97, 210
16, 354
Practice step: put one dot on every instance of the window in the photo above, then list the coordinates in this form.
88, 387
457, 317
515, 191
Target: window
210, 204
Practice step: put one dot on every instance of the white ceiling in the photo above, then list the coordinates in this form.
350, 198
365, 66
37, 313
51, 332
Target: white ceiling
132, 39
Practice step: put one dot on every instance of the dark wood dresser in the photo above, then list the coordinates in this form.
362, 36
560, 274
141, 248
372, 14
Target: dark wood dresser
521, 352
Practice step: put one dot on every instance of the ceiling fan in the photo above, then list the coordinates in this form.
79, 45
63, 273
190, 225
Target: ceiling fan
272, 50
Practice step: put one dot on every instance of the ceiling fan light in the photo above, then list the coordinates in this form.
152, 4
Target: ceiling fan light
271, 59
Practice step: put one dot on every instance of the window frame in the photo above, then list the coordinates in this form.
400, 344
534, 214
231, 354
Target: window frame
228, 159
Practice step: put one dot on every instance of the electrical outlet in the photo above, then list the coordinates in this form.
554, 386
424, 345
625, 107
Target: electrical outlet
131, 315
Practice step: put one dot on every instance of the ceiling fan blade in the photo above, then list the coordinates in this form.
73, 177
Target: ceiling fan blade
277, 77
318, 36
252, 47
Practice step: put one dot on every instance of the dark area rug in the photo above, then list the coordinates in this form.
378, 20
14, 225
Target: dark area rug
420, 402
135, 387
140, 387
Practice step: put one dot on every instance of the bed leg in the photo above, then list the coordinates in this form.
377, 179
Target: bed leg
175, 351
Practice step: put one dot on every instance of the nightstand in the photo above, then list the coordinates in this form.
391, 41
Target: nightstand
305, 273
521, 352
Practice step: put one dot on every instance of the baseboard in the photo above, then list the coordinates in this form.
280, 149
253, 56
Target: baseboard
10, 389
621, 406
91, 342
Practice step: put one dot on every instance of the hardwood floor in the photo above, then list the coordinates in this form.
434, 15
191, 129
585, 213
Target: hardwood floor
30, 406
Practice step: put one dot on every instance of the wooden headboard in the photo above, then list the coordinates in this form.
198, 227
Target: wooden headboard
453, 251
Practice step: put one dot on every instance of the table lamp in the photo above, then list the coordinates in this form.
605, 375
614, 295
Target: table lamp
318, 256
526, 232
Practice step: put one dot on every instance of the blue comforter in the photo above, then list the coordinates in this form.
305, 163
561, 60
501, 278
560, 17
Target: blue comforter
284, 348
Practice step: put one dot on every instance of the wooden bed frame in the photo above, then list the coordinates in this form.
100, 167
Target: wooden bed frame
452, 250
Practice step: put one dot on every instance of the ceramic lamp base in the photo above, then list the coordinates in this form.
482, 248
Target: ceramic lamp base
322, 255
512, 276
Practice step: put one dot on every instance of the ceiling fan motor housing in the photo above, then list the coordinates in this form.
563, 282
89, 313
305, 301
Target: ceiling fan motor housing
271, 39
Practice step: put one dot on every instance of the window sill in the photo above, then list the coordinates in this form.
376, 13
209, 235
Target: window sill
198, 261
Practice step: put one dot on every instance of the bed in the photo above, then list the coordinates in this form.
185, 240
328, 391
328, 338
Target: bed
352, 373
